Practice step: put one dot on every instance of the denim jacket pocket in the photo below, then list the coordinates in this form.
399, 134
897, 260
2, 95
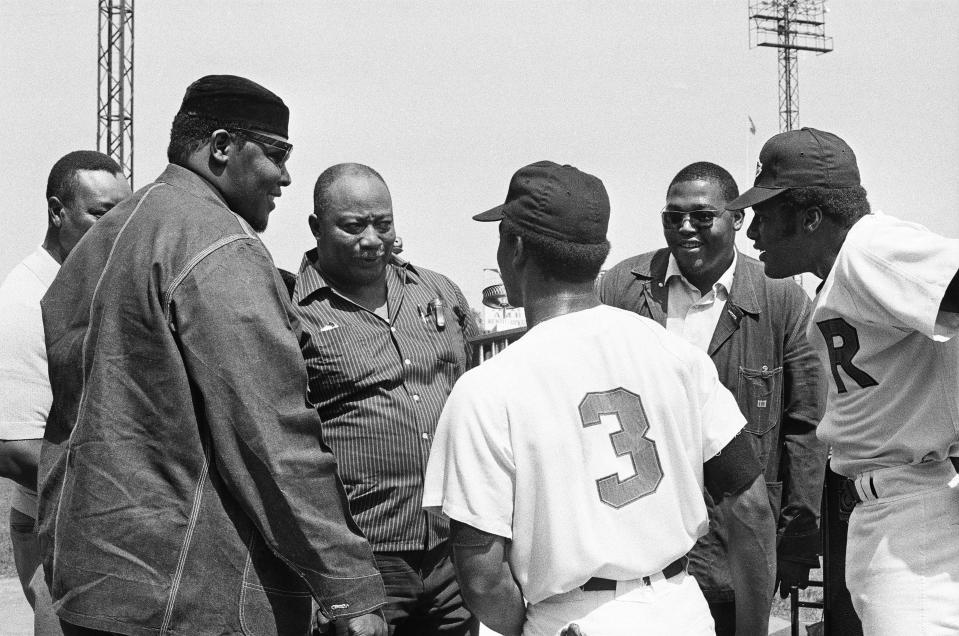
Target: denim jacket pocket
273, 613
759, 396
273, 599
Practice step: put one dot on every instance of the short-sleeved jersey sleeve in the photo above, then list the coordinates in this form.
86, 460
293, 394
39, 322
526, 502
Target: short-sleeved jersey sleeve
722, 419
25, 394
900, 272
470, 473
730, 464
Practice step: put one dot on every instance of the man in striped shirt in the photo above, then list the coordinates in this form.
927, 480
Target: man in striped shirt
384, 341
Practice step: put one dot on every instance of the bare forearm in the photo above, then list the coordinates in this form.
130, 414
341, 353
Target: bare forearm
500, 606
19, 459
486, 580
752, 557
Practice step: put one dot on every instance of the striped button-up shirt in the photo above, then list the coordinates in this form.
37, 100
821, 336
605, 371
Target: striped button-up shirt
379, 386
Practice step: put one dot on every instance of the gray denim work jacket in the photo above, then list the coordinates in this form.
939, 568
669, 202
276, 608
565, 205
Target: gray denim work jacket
194, 495
760, 350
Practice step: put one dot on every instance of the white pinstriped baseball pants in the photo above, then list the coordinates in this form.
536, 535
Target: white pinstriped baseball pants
902, 555
665, 607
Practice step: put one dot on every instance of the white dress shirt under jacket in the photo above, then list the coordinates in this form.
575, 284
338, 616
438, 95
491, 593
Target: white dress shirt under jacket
691, 315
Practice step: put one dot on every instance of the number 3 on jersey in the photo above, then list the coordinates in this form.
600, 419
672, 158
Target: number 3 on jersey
629, 440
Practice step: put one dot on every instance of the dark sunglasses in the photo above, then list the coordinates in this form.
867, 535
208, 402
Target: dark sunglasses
699, 219
275, 150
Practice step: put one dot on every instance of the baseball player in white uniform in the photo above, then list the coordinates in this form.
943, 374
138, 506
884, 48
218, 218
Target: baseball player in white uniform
885, 326
572, 463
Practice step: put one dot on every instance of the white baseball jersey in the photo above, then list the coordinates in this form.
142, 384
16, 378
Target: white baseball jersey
583, 443
892, 358
25, 394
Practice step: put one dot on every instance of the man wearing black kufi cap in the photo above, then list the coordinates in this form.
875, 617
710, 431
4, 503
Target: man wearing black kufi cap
184, 489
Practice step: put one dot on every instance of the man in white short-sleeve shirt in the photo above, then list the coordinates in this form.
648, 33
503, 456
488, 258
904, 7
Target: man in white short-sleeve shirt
572, 464
884, 324
81, 187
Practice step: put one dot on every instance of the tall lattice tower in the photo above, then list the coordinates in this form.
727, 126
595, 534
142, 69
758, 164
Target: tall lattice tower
790, 26
115, 83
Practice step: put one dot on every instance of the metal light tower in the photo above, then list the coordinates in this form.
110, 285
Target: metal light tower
115, 83
790, 26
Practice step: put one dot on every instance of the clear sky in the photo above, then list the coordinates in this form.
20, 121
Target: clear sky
447, 99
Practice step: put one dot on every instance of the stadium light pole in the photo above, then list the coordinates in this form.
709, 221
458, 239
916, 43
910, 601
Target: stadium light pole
115, 83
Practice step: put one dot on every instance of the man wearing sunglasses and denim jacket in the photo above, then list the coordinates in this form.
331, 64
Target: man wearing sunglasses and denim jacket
701, 288
184, 485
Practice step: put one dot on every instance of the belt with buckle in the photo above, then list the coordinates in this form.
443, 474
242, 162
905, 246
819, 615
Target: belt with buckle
597, 584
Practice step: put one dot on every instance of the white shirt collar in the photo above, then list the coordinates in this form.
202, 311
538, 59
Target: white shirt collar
720, 288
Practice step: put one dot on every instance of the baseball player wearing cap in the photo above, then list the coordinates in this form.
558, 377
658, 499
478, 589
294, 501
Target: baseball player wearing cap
572, 464
884, 323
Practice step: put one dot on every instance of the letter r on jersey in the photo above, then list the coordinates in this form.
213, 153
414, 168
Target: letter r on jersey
843, 343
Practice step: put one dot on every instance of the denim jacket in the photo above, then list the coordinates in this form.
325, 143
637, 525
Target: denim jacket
760, 350
193, 495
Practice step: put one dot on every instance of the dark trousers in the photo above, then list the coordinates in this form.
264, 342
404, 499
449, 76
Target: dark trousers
724, 615
26, 556
422, 595
70, 629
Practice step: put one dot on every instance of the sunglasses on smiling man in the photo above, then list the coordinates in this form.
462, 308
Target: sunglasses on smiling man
275, 150
699, 219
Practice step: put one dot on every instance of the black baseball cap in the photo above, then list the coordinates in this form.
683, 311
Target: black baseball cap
237, 100
556, 201
798, 159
